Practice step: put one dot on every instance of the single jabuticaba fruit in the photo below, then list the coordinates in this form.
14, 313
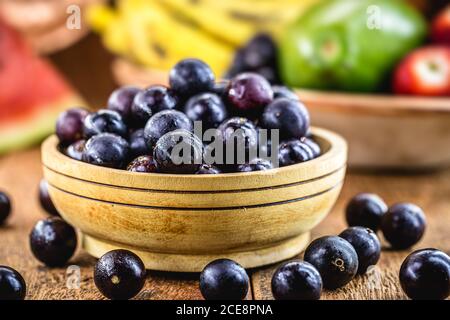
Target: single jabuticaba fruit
32, 94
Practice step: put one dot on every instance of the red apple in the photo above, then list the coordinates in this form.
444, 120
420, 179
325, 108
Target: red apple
440, 27
425, 72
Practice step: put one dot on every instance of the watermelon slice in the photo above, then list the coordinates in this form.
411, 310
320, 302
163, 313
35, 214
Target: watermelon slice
32, 93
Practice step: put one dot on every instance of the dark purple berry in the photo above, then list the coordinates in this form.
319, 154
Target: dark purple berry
178, 151
296, 280
121, 100
207, 108
150, 101
45, 200
366, 244
366, 210
119, 275
240, 139
335, 259
425, 275
314, 146
12, 285
283, 92
53, 242
107, 150
76, 149
191, 76
142, 164
138, 144
403, 225
294, 151
104, 121
208, 169
289, 116
255, 165
224, 279
164, 122
249, 92
5, 207
69, 126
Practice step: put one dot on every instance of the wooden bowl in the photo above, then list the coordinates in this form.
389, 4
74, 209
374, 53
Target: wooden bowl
383, 131
386, 132
182, 222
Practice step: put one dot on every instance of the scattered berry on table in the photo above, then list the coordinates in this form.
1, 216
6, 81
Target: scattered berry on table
403, 225
296, 280
12, 284
334, 258
366, 244
119, 275
53, 241
224, 279
425, 275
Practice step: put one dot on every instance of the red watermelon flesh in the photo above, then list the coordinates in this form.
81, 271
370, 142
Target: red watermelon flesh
32, 93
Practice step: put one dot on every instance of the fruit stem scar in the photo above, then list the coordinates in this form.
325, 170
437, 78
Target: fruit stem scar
339, 263
115, 279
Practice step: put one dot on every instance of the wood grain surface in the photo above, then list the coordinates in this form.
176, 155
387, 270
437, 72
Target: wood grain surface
20, 174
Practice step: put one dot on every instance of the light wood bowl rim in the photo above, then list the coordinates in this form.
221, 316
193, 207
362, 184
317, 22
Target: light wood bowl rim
333, 159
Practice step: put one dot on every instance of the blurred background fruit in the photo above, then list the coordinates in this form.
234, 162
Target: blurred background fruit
32, 93
349, 45
138, 30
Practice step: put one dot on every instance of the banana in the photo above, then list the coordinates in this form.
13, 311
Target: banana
159, 33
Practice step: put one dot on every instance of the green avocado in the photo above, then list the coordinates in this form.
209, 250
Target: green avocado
350, 45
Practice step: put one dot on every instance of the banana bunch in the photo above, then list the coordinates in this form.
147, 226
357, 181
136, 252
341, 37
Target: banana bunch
159, 33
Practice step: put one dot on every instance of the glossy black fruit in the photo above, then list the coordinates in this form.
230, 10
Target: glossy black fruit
334, 258
12, 284
294, 151
142, 164
258, 55
403, 225
164, 122
69, 126
107, 150
76, 149
53, 241
314, 146
104, 121
121, 100
207, 108
208, 169
249, 92
366, 210
119, 275
366, 244
150, 101
138, 144
287, 115
45, 200
178, 151
425, 275
5, 207
296, 280
191, 76
255, 165
283, 92
240, 138
224, 279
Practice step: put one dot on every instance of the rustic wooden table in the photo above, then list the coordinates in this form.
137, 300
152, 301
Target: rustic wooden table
20, 174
